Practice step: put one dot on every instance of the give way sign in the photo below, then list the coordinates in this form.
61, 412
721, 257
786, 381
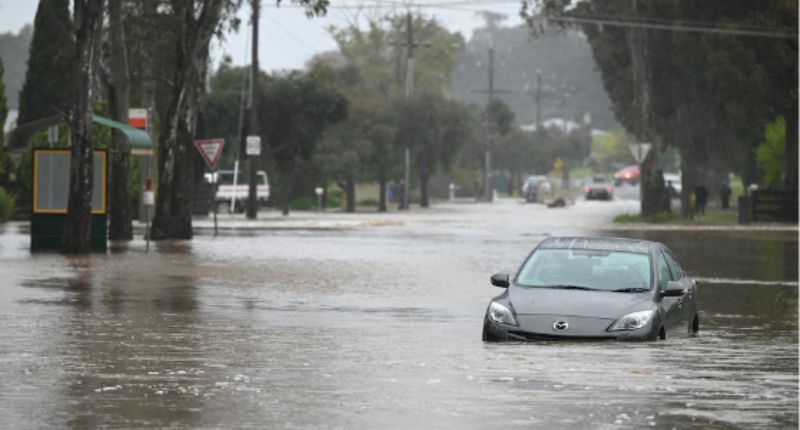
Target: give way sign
210, 149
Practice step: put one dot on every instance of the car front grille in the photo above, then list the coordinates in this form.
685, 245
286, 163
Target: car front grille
525, 336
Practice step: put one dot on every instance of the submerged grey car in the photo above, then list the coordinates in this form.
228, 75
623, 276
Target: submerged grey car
594, 288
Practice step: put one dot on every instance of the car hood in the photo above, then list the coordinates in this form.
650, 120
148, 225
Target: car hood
594, 304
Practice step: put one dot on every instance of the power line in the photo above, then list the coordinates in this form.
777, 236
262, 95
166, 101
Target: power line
671, 27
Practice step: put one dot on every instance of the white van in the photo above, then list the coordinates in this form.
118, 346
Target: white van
227, 192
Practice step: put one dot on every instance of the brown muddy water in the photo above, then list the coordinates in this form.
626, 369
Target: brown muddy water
380, 328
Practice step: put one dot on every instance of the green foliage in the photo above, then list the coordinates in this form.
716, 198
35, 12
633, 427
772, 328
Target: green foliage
304, 203
677, 218
49, 81
333, 198
609, 149
6, 205
710, 95
3, 104
5, 161
770, 154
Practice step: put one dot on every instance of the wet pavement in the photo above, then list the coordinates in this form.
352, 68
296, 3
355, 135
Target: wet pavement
378, 326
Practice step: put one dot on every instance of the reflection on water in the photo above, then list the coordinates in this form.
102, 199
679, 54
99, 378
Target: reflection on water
372, 329
763, 255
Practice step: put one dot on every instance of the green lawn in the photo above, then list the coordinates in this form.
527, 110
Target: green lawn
676, 218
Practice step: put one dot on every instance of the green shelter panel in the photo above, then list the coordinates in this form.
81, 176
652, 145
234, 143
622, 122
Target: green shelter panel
51, 181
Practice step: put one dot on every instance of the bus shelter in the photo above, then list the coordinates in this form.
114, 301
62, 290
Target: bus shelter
50, 185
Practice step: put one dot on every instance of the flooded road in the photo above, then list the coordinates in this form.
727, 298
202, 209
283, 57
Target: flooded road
380, 328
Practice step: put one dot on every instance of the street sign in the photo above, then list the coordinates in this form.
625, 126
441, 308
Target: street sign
639, 151
210, 149
137, 118
253, 145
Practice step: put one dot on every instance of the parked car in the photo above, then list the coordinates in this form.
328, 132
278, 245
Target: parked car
629, 174
586, 288
536, 188
227, 192
598, 187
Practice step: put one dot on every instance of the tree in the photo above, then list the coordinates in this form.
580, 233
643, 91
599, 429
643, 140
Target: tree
88, 26
51, 72
5, 160
373, 76
770, 155
340, 155
193, 23
437, 127
119, 83
301, 106
709, 95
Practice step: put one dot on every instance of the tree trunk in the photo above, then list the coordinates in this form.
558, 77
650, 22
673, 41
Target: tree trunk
284, 197
120, 224
790, 150
652, 187
350, 195
77, 227
382, 187
173, 219
424, 179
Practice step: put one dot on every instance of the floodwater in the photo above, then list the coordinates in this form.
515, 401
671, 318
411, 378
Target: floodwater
380, 327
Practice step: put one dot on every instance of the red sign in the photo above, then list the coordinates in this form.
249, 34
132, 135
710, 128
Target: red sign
137, 118
210, 149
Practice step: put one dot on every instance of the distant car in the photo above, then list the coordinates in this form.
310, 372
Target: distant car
597, 187
629, 174
535, 188
586, 288
673, 179
227, 192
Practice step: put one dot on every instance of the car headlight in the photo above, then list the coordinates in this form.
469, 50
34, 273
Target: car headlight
501, 314
632, 321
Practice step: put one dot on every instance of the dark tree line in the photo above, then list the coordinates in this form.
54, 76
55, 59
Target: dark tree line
709, 95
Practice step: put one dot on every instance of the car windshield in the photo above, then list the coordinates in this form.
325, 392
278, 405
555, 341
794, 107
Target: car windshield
590, 269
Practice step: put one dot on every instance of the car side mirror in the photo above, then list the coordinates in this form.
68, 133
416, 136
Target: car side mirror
674, 289
500, 280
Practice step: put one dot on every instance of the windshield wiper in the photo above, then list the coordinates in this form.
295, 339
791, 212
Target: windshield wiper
631, 290
572, 287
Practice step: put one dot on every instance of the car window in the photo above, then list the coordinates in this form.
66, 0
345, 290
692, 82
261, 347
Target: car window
664, 274
604, 270
674, 268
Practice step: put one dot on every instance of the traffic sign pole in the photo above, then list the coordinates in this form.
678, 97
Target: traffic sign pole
211, 150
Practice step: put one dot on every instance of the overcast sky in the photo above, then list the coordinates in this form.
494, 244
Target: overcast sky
289, 38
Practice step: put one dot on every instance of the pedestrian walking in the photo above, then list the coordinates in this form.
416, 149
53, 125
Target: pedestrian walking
390, 190
725, 195
701, 198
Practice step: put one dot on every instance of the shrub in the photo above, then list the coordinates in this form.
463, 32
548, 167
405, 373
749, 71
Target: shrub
6, 205
304, 203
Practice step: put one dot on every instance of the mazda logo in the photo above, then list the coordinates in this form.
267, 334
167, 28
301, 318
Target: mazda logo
560, 325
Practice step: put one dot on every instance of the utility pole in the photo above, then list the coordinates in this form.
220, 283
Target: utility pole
487, 155
252, 125
538, 99
410, 46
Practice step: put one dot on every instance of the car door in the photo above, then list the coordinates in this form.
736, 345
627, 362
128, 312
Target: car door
671, 306
687, 304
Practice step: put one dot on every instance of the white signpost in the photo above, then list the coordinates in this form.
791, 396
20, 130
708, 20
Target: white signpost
253, 145
211, 149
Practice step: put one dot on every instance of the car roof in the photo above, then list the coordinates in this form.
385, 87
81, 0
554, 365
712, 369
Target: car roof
598, 244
